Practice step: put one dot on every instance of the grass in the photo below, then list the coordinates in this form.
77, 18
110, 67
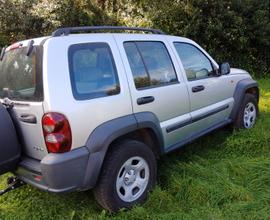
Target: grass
225, 175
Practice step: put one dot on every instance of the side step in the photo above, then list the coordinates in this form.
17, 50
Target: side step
13, 183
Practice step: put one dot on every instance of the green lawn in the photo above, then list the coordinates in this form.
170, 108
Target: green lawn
224, 175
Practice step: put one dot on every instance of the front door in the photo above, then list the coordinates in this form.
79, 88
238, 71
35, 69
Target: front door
210, 95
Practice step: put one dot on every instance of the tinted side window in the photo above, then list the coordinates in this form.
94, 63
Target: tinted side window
92, 71
141, 77
150, 63
196, 64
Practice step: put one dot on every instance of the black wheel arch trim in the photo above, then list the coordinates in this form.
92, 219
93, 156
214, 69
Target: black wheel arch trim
101, 138
239, 93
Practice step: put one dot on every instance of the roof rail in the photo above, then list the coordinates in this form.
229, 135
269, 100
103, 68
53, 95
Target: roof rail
69, 30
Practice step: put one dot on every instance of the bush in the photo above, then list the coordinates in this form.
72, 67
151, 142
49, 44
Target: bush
234, 31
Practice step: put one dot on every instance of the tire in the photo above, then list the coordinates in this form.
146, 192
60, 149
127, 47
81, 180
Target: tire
117, 179
248, 121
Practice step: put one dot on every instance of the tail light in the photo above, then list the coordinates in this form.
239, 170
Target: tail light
57, 133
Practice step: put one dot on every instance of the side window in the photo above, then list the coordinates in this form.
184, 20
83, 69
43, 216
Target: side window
92, 71
196, 64
150, 63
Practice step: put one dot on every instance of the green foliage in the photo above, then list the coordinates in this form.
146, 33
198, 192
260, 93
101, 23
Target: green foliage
237, 31
234, 31
3, 40
16, 21
22, 19
225, 175
70, 13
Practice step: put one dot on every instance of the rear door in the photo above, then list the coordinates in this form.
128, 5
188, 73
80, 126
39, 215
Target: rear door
21, 82
156, 84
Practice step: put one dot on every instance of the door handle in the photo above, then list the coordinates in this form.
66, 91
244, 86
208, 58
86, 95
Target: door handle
145, 100
198, 88
28, 118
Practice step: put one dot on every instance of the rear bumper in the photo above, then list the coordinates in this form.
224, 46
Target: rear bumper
56, 172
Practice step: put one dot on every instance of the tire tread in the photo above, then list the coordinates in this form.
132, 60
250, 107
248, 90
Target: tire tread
102, 189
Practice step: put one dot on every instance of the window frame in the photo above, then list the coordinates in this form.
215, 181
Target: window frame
214, 69
170, 57
89, 96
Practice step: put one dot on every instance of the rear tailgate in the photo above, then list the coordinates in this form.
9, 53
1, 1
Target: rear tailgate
27, 117
21, 82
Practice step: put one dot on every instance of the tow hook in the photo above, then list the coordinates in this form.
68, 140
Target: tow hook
13, 183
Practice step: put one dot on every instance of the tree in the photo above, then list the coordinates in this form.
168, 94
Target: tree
237, 31
234, 30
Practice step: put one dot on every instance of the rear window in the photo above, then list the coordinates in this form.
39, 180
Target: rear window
92, 71
20, 76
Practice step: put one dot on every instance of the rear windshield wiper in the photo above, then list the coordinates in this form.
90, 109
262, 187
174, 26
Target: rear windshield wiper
30, 47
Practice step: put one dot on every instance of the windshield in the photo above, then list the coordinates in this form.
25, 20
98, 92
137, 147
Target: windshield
19, 79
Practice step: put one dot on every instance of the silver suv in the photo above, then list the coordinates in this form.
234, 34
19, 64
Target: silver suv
87, 110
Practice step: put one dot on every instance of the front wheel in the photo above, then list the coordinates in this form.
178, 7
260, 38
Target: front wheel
248, 112
129, 172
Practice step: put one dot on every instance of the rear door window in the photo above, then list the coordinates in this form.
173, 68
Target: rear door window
92, 71
150, 64
21, 75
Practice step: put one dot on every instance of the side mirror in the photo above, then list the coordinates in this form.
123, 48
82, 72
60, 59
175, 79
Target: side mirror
224, 68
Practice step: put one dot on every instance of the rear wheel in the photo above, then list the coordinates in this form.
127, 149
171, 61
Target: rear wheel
248, 112
129, 172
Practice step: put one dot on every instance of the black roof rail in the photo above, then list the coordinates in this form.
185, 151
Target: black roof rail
69, 30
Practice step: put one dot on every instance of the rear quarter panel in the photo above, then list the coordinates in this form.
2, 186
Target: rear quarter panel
85, 115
